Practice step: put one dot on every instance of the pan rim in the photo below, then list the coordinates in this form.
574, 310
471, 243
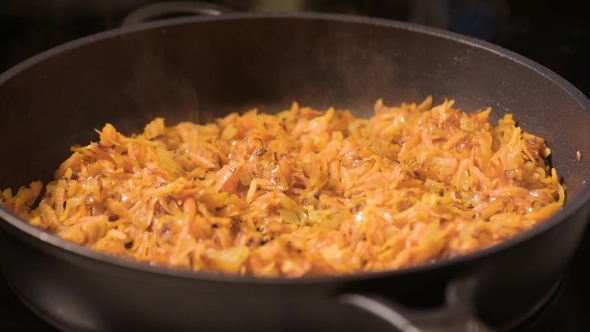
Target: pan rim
42, 237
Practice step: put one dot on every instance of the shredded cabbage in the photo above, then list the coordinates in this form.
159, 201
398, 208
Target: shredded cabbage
301, 192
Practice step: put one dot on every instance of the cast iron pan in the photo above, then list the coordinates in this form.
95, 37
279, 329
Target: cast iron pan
199, 68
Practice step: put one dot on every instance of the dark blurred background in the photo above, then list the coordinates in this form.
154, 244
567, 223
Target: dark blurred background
553, 33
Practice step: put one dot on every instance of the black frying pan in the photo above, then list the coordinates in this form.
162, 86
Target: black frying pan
197, 69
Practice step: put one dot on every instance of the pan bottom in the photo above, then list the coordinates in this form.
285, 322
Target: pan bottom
508, 327
37, 312
536, 307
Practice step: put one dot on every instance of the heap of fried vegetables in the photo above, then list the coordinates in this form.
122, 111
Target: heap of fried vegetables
301, 192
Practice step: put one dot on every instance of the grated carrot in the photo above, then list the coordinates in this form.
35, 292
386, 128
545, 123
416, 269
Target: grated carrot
302, 192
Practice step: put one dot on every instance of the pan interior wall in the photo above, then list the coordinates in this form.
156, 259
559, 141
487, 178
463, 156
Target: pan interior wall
197, 71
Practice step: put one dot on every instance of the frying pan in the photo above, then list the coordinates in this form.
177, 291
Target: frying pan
199, 68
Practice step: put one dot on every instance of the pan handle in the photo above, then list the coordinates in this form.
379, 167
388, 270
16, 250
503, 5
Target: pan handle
457, 315
161, 10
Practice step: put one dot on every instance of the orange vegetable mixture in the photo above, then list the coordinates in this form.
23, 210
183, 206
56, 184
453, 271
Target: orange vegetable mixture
301, 192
